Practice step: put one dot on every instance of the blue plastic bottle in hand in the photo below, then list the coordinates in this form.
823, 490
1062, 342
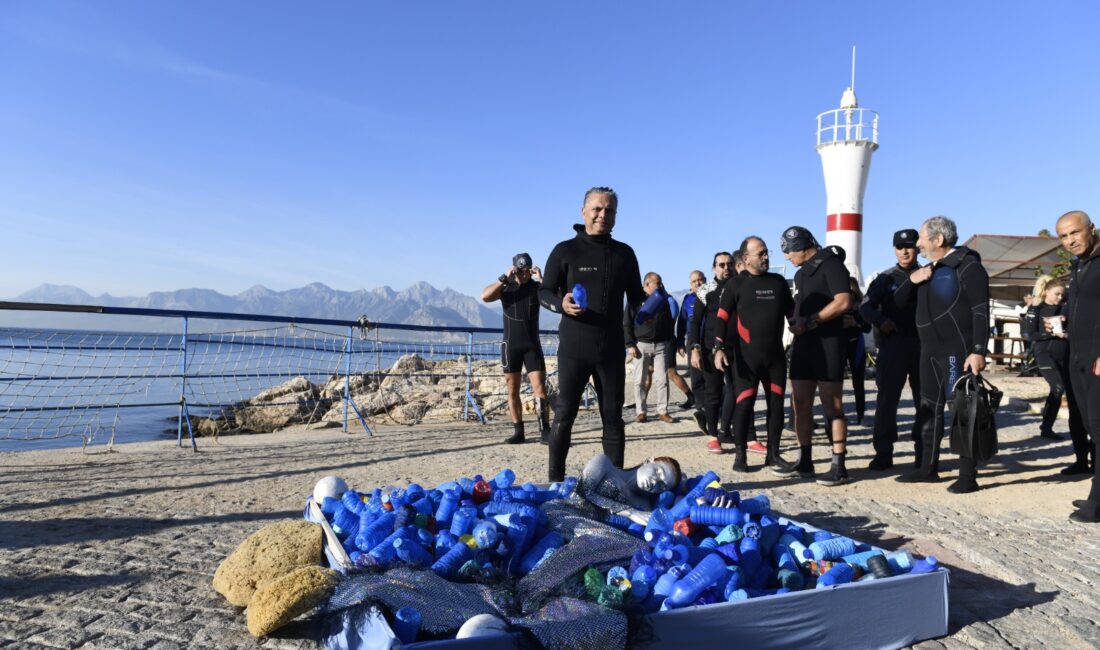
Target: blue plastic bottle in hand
580, 296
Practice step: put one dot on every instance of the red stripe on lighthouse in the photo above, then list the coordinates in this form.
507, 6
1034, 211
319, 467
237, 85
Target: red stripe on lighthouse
844, 221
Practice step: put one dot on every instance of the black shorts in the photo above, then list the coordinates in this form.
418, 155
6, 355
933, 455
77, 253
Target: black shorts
514, 358
817, 358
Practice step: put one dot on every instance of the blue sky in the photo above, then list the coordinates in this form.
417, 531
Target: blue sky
156, 146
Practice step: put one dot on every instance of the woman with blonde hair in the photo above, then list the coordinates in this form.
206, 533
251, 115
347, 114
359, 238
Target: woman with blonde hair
1052, 356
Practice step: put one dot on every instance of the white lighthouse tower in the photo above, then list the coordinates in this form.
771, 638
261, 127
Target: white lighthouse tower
846, 138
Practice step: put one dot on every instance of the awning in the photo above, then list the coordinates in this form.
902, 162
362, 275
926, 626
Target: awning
1012, 260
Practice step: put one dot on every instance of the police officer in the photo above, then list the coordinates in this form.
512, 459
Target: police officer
591, 340
898, 357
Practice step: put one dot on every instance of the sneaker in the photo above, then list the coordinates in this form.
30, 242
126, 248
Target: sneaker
835, 476
700, 420
963, 486
516, 439
715, 447
666, 418
880, 463
641, 418
757, 448
1050, 435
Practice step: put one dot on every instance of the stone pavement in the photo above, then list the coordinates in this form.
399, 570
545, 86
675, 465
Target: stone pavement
117, 550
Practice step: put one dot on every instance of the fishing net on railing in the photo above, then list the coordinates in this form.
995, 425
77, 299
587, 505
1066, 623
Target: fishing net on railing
89, 385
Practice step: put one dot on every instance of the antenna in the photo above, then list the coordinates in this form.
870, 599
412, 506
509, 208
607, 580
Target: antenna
853, 67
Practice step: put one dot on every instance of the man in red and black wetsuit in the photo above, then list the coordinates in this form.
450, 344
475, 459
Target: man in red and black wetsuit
754, 308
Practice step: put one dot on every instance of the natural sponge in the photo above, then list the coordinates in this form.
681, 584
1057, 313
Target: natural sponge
271, 552
280, 601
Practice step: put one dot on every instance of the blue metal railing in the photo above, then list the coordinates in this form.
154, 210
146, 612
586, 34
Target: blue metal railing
74, 368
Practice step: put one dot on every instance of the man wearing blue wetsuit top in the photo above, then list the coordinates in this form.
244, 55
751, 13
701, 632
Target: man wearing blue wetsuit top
1078, 236
952, 317
591, 339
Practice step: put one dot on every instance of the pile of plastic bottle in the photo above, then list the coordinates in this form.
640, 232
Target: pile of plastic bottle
705, 545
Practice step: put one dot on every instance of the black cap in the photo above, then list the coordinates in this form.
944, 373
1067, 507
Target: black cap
795, 239
905, 238
521, 261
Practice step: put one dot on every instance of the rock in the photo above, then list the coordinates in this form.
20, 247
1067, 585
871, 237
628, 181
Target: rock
410, 363
296, 385
328, 424
293, 402
279, 601
269, 553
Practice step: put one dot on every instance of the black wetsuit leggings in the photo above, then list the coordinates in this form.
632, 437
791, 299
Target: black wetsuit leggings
718, 397
939, 370
1053, 362
748, 376
1086, 391
609, 378
856, 352
898, 360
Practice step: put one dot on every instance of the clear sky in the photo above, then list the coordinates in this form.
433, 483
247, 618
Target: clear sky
164, 145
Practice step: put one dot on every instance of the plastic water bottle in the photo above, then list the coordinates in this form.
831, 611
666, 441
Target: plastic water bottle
879, 567
447, 507
756, 505
345, 523
841, 573
370, 536
486, 534
541, 549
352, 501
860, 559
791, 579
406, 624
735, 582
663, 587
797, 548
580, 296
412, 552
463, 521
643, 578
899, 561
927, 565
504, 479
660, 521
731, 533
713, 516
831, 549
688, 588
651, 306
750, 556
455, 557
683, 506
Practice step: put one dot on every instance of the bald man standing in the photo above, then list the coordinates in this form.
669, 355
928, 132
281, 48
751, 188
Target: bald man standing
1078, 236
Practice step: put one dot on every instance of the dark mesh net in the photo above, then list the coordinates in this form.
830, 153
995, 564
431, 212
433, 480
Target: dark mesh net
545, 603
590, 543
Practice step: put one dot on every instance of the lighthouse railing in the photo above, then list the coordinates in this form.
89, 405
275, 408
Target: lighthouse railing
847, 125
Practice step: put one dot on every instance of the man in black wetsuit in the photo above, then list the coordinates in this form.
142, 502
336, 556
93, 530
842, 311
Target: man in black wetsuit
952, 296
518, 291
591, 338
702, 331
1078, 236
898, 357
754, 308
817, 355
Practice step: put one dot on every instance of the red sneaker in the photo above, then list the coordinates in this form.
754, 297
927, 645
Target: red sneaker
715, 447
756, 448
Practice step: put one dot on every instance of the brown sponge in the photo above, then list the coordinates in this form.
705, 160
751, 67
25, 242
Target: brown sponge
280, 601
270, 553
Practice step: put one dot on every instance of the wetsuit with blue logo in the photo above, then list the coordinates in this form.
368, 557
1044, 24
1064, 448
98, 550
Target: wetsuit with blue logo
952, 318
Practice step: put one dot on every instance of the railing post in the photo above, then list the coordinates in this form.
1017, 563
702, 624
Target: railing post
469, 372
184, 414
347, 377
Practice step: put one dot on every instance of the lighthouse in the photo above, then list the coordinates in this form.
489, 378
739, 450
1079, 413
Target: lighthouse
846, 139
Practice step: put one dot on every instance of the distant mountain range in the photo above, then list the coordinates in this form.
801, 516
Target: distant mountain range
419, 304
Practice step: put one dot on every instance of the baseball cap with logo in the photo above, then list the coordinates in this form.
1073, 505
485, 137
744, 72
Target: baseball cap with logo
906, 238
521, 261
